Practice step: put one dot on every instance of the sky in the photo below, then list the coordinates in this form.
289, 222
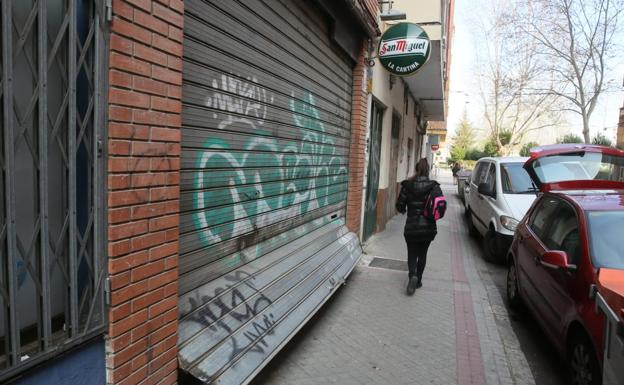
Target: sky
464, 94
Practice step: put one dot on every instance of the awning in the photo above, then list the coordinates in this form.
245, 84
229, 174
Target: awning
427, 84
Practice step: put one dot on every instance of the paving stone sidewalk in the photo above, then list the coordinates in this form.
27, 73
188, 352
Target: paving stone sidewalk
454, 330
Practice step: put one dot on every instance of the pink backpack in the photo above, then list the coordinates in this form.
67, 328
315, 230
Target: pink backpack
435, 208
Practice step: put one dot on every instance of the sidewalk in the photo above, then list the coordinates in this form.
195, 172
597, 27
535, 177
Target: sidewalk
454, 330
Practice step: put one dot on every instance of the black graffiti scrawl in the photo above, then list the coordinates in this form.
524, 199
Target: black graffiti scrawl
233, 305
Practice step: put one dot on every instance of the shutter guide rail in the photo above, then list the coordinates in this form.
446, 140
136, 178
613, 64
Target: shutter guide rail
11, 250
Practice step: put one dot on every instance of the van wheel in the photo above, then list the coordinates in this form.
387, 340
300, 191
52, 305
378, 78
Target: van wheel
490, 246
513, 296
583, 365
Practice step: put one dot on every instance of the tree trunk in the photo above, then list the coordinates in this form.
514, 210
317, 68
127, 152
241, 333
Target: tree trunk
586, 128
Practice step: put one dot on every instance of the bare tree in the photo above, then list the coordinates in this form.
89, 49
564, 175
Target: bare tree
576, 39
507, 79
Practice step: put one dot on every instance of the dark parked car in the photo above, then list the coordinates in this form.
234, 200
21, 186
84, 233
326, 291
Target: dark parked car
574, 228
463, 179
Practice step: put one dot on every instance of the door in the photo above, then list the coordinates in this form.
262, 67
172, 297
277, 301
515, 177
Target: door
372, 184
530, 248
394, 164
476, 199
264, 171
556, 286
410, 150
486, 208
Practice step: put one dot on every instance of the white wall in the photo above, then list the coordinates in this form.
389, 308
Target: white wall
393, 100
423, 11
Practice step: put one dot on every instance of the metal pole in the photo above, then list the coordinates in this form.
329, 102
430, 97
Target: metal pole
99, 257
72, 153
9, 151
43, 174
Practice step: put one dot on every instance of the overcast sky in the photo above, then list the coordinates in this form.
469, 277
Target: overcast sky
463, 92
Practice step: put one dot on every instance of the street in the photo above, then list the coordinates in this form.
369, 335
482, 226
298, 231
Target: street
456, 329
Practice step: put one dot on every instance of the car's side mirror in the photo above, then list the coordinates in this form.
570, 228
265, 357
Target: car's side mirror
556, 259
484, 189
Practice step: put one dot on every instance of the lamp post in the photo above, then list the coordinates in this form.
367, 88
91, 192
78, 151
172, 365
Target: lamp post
390, 14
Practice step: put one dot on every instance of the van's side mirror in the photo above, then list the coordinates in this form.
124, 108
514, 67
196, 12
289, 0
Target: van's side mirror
484, 189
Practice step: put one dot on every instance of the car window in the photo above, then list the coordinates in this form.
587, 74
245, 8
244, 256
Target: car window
543, 213
515, 179
491, 177
477, 172
481, 173
605, 238
578, 166
563, 233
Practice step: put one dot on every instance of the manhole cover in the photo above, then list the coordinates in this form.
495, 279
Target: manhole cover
391, 264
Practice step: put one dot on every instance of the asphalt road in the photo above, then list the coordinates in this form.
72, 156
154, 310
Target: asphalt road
547, 366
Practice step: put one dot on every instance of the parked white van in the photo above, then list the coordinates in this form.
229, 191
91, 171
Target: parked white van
500, 192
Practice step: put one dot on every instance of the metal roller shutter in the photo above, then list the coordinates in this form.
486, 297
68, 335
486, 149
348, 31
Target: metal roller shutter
265, 145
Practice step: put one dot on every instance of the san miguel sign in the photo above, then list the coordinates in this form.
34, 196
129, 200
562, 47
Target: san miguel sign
404, 48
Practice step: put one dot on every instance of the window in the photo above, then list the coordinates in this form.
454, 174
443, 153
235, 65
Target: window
480, 173
605, 238
515, 179
541, 216
578, 166
491, 178
52, 261
563, 233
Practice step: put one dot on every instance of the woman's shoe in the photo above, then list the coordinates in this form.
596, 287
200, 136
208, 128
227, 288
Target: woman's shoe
412, 285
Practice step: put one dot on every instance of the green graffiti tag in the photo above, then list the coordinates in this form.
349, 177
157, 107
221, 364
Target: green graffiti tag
240, 190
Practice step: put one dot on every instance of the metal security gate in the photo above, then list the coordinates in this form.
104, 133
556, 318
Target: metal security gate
52, 266
265, 144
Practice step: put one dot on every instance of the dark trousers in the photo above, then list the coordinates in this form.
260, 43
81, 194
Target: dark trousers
417, 257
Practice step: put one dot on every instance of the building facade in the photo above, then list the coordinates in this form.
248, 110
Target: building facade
620, 130
183, 184
407, 114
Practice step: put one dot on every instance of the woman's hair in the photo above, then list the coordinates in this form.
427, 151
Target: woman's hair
422, 168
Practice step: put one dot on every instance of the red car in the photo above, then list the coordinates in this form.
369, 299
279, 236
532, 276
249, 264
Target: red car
573, 229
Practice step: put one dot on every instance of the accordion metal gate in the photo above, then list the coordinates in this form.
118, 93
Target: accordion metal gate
52, 266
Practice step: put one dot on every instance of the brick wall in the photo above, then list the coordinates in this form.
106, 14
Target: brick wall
145, 65
357, 151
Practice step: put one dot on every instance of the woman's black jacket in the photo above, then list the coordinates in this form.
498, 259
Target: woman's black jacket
412, 198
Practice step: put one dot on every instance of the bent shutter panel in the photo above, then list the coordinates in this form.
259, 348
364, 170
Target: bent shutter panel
265, 145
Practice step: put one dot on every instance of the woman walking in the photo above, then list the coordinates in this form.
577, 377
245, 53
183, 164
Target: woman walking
455, 170
420, 229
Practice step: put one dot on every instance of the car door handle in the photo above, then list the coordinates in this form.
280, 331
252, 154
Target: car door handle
480, 196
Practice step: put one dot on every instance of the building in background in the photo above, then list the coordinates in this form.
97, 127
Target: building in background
181, 182
407, 114
620, 130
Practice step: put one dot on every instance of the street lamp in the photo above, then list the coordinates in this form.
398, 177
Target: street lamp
391, 14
